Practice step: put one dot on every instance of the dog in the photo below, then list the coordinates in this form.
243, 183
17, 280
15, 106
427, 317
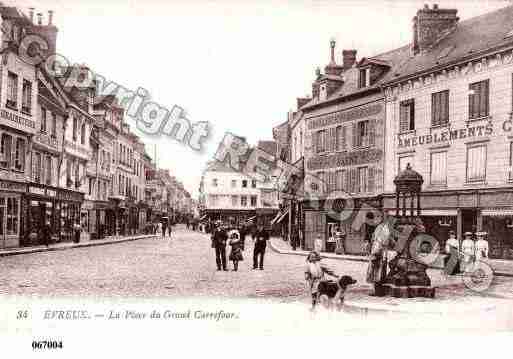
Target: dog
331, 293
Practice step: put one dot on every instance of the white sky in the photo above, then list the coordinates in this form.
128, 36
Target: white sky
238, 65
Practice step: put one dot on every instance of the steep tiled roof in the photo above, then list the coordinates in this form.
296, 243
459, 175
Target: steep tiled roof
469, 38
270, 147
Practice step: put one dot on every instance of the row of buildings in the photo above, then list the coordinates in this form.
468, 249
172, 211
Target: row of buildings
67, 157
443, 104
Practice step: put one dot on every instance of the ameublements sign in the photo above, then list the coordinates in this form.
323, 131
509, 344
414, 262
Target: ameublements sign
444, 136
343, 116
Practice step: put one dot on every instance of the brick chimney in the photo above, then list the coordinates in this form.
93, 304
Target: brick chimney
430, 25
48, 32
301, 101
348, 58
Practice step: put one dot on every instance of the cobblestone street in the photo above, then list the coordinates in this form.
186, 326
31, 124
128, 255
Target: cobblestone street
180, 267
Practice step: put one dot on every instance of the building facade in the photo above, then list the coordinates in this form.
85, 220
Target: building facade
448, 114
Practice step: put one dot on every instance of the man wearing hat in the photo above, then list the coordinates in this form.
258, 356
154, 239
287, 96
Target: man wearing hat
481, 246
468, 249
452, 251
219, 238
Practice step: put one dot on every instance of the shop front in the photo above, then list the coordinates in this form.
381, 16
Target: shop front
11, 212
42, 209
473, 210
69, 204
322, 219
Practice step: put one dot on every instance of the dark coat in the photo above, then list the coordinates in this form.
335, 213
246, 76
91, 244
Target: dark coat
219, 238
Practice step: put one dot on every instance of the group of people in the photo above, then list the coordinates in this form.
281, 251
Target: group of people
473, 249
162, 227
235, 237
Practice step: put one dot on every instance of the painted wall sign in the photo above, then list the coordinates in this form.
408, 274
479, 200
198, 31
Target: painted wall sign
344, 159
12, 186
444, 136
16, 121
343, 116
47, 192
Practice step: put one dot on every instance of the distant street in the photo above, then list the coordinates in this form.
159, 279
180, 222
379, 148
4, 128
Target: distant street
181, 266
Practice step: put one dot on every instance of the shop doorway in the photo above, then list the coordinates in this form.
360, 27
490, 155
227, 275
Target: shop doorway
469, 220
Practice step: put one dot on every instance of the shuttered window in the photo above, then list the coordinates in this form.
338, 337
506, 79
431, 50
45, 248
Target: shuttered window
478, 99
407, 115
439, 168
321, 141
341, 180
340, 138
362, 180
371, 186
476, 163
440, 108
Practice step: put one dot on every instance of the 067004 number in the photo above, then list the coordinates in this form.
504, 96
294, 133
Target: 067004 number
46, 344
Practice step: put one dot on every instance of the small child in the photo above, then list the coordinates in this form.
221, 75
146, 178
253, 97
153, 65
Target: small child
315, 273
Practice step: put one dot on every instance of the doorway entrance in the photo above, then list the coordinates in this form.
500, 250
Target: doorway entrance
469, 220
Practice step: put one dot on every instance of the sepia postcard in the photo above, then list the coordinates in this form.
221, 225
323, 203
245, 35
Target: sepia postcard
224, 178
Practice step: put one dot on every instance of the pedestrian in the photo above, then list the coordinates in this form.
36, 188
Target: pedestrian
318, 243
315, 273
159, 229
468, 249
340, 239
236, 251
219, 238
47, 233
77, 229
243, 231
376, 270
294, 238
452, 251
261, 238
170, 228
164, 226
481, 246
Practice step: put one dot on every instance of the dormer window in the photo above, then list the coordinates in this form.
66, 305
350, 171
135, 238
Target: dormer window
323, 94
364, 78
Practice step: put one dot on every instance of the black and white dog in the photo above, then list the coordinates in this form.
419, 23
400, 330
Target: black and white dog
331, 293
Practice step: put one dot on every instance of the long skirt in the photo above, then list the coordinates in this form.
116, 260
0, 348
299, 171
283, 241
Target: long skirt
376, 271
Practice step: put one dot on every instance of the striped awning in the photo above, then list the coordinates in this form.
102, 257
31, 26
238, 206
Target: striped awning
279, 217
498, 212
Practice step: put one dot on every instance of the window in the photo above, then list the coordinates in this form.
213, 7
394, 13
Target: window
253, 201
77, 174
75, 128
476, 163
19, 155
26, 99
321, 177
321, 141
43, 120
36, 167
340, 180
341, 138
362, 179
478, 99
244, 183
234, 183
407, 116
68, 173
440, 108
439, 168
12, 215
83, 134
253, 183
12, 91
243, 201
362, 134
213, 200
362, 78
54, 125
403, 162
6, 151
235, 201
48, 169
91, 186
214, 182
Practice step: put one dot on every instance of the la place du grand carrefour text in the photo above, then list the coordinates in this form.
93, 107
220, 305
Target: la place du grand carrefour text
137, 315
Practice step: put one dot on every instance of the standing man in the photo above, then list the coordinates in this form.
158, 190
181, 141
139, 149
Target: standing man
481, 246
468, 249
340, 238
164, 226
261, 238
452, 251
219, 238
243, 233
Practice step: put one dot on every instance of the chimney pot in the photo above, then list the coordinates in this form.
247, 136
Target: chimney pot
50, 17
31, 14
39, 18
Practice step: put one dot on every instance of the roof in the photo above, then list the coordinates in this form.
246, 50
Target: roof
270, 147
470, 37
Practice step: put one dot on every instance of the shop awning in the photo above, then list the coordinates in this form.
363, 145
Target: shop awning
279, 217
497, 212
